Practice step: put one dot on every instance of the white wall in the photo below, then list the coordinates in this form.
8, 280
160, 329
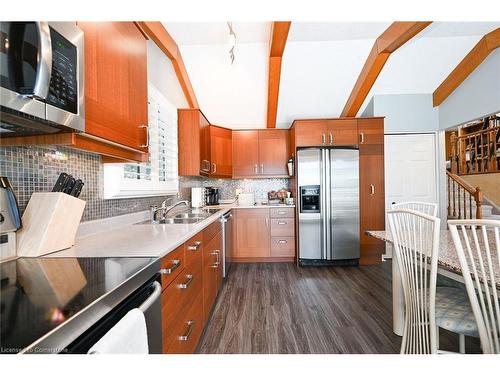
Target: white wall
405, 113
235, 95
161, 75
478, 96
317, 78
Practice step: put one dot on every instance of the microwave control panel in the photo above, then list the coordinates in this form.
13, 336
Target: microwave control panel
63, 91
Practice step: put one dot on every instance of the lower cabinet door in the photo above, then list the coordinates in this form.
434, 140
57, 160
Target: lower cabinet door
187, 331
210, 265
252, 233
177, 299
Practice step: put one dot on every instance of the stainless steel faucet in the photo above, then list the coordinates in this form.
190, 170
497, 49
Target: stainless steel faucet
164, 210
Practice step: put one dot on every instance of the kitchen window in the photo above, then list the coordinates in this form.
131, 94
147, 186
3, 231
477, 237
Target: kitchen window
159, 176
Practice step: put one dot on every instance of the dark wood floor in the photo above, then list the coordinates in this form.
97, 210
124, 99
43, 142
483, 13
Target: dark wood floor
279, 308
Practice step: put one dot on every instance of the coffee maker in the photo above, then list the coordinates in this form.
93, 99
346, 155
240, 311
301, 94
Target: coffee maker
212, 196
10, 219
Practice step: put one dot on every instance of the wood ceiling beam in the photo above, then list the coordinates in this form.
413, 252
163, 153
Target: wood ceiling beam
279, 35
158, 34
469, 63
397, 34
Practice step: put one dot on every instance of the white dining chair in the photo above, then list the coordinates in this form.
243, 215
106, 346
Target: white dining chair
416, 241
453, 313
424, 207
478, 246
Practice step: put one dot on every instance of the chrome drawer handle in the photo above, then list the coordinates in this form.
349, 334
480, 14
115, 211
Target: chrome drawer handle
215, 265
167, 271
185, 337
281, 222
147, 135
195, 246
362, 136
372, 189
331, 139
256, 169
188, 281
281, 212
324, 138
282, 241
214, 167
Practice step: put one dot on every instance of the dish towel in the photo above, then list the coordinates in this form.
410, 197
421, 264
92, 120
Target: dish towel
128, 336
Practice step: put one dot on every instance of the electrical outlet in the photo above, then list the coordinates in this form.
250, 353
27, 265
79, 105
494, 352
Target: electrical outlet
239, 191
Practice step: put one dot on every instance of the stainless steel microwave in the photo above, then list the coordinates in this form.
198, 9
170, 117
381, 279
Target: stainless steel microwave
41, 78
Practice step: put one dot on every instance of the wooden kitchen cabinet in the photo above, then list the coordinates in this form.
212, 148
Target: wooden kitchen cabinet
212, 273
371, 131
116, 93
260, 153
221, 152
273, 152
245, 153
325, 132
251, 234
189, 145
371, 201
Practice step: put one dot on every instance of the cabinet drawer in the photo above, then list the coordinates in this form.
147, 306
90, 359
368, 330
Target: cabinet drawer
177, 299
283, 246
194, 249
187, 331
282, 227
171, 265
210, 231
287, 212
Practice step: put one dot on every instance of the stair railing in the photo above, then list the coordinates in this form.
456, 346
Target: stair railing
460, 198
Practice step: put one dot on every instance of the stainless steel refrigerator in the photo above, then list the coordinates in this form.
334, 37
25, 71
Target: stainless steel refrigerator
328, 181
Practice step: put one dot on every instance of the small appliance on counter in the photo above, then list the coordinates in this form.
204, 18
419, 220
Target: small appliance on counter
10, 219
246, 199
197, 197
212, 196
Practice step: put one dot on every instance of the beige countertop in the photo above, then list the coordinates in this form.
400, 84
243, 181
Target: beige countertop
448, 257
137, 240
142, 240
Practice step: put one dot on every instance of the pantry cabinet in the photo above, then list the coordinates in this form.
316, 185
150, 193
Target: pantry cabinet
260, 153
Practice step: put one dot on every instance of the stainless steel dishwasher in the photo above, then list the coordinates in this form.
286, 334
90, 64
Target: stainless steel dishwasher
227, 242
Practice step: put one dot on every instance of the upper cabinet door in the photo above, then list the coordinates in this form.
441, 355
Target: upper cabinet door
221, 146
189, 141
116, 95
273, 152
205, 147
245, 153
371, 131
310, 133
341, 132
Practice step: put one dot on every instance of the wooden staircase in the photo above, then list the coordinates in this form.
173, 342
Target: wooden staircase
466, 202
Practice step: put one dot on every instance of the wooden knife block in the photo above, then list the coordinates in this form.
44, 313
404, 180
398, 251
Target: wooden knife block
50, 222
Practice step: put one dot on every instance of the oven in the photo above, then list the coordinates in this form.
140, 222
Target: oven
41, 78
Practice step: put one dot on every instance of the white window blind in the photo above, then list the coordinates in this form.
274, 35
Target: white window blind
159, 175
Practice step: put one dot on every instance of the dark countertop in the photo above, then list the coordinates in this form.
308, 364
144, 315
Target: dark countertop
40, 296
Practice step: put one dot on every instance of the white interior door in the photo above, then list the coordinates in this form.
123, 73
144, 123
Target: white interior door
410, 168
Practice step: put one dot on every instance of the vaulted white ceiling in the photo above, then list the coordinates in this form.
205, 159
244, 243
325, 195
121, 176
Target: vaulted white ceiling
320, 65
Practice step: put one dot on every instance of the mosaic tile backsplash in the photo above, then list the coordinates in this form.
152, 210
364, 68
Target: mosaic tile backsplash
36, 168
227, 187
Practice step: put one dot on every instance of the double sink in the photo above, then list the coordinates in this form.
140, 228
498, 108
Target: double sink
191, 216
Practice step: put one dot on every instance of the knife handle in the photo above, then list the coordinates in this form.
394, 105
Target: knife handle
61, 182
69, 185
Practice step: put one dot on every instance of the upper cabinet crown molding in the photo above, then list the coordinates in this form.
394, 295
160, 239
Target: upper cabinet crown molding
469, 63
167, 44
397, 34
279, 35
